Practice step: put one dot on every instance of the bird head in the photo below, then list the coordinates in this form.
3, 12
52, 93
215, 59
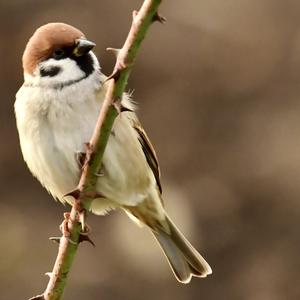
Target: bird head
58, 54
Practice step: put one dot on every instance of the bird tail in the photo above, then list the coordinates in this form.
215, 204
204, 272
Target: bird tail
183, 258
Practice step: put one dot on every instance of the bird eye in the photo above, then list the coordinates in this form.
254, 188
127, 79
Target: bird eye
58, 53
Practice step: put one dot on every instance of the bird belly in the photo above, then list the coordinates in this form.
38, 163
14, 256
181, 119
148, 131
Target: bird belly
125, 175
51, 137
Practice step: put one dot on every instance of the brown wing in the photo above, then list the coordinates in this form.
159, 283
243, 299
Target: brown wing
149, 153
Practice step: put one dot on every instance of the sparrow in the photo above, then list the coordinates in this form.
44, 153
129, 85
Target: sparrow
56, 110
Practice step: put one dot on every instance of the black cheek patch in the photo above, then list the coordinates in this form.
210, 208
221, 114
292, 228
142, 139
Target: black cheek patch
51, 71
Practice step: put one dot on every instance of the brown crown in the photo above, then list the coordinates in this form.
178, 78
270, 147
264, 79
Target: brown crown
45, 40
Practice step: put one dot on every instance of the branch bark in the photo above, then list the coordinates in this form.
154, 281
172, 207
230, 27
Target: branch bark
85, 192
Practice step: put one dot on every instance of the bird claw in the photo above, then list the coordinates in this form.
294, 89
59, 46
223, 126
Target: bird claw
64, 228
84, 233
85, 229
81, 219
99, 174
71, 241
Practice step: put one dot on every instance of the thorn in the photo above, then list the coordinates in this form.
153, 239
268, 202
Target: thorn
39, 297
49, 274
120, 66
114, 75
86, 238
55, 239
115, 51
75, 194
80, 158
159, 18
88, 146
134, 14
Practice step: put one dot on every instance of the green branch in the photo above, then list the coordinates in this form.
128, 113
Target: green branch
86, 192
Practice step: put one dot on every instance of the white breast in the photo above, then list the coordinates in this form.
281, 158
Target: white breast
55, 124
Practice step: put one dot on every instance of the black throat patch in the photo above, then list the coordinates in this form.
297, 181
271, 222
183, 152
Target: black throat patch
85, 63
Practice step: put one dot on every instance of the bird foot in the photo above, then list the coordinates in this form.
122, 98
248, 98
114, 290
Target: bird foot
85, 229
84, 233
64, 228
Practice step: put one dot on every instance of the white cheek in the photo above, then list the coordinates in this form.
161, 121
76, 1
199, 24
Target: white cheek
69, 70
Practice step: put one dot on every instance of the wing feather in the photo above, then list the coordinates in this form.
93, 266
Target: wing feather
149, 153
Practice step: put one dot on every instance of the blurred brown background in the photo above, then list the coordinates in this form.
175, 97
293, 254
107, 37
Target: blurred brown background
218, 90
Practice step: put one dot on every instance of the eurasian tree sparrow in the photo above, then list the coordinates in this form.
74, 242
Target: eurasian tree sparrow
56, 110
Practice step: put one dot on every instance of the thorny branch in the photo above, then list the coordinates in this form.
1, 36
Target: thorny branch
85, 191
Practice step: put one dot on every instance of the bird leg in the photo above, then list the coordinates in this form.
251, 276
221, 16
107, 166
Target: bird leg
64, 228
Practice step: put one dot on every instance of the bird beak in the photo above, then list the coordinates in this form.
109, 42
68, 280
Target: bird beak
82, 47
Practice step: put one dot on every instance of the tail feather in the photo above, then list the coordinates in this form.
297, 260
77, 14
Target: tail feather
183, 258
